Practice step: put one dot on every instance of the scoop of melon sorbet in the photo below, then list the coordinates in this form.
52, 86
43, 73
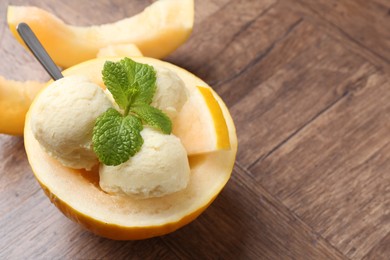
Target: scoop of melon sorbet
171, 93
63, 118
161, 167
170, 96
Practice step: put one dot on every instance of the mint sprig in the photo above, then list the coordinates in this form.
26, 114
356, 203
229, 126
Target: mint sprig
153, 117
129, 82
116, 136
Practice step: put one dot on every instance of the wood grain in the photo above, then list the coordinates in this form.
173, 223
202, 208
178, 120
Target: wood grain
224, 27
380, 251
334, 173
363, 21
15, 178
307, 83
251, 228
67, 239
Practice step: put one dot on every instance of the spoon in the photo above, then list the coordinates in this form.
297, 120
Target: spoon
38, 51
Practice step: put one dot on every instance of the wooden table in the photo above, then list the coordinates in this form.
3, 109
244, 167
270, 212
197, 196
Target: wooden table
307, 83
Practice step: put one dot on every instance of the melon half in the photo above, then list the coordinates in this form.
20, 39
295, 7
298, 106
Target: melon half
78, 195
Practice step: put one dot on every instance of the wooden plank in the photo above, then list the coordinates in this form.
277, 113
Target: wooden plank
246, 222
222, 27
17, 182
302, 75
365, 22
41, 231
336, 32
252, 41
381, 251
334, 172
205, 9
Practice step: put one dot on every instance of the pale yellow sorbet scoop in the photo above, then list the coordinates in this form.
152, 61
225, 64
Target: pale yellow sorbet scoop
63, 118
161, 167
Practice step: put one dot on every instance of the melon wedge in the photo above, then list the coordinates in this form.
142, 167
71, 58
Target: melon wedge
157, 31
15, 100
78, 196
120, 50
201, 125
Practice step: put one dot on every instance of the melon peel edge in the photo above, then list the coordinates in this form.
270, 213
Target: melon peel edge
120, 232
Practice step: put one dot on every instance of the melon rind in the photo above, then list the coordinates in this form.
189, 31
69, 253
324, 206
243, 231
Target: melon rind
121, 218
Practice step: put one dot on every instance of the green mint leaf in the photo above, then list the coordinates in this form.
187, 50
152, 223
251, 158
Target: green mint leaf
142, 77
129, 82
116, 137
153, 117
116, 80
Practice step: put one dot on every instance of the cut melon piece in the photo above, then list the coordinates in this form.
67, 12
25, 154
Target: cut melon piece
15, 100
120, 50
77, 194
201, 125
16, 96
157, 31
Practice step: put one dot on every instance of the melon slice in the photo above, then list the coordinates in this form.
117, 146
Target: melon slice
15, 99
157, 31
120, 50
201, 125
78, 196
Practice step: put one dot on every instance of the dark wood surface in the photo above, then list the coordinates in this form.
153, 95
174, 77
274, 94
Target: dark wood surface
307, 83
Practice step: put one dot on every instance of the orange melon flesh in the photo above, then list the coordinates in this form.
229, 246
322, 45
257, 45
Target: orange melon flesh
157, 31
77, 195
15, 99
120, 50
205, 130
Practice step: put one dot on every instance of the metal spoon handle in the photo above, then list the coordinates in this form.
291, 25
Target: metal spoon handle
39, 52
